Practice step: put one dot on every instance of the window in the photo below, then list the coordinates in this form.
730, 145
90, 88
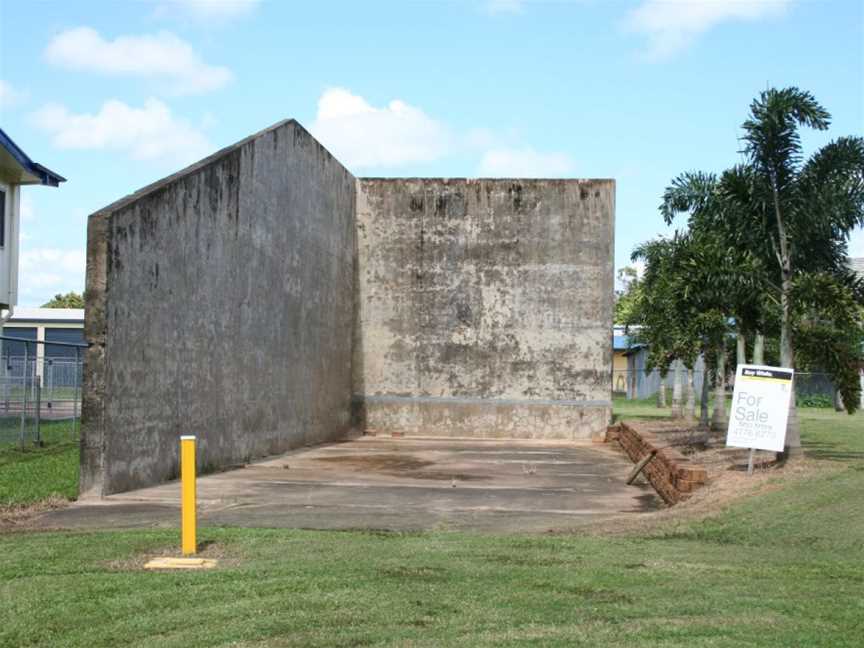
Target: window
2, 218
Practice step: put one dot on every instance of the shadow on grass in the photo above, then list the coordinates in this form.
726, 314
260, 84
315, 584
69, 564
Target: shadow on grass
831, 451
15, 454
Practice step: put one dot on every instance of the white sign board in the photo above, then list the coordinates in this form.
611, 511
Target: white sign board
760, 407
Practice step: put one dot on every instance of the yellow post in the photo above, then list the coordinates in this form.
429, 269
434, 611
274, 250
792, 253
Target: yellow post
188, 496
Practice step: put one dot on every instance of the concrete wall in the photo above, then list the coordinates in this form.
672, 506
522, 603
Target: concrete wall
220, 303
485, 307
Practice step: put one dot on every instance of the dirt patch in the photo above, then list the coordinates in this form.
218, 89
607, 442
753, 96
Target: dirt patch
397, 465
19, 516
727, 483
721, 492
209, 550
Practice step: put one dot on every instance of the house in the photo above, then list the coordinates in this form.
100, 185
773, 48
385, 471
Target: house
16, 169
622, 345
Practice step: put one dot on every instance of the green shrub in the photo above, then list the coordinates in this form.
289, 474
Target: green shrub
815, 400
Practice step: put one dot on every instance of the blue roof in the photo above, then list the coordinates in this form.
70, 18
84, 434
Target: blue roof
31, 172
621, 342
626, 343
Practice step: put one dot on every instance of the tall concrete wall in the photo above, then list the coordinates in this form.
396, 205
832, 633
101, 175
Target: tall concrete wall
220, 303
485, 307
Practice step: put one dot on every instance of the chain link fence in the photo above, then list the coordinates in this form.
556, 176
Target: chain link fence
40, 392
812, 389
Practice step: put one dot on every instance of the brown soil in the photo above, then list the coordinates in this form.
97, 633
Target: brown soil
728, 480
211, 550
18, 517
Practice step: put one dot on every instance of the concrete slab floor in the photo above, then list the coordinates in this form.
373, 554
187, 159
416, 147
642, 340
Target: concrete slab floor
494, 486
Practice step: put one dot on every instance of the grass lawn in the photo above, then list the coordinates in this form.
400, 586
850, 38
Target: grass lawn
781, 569
33, 474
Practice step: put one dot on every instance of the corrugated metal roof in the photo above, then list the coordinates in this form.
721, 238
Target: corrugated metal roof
857, 265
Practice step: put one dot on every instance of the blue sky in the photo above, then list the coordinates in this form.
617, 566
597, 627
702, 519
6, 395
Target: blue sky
114, 95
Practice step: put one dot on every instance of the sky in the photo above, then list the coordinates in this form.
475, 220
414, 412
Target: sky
115, 95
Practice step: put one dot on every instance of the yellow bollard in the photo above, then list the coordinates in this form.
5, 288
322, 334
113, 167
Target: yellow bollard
188, 515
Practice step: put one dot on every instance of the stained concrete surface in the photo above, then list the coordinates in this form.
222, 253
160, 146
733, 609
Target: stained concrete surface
397, 484
220, 303
484, 307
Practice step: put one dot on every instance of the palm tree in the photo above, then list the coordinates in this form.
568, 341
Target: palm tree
678, 307
804, 210
722, 277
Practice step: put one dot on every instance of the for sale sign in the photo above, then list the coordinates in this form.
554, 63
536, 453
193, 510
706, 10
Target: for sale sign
760, 407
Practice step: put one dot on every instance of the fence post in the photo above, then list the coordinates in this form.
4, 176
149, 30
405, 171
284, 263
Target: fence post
38, 439
48, 379
24, 395
6, 368
78, 376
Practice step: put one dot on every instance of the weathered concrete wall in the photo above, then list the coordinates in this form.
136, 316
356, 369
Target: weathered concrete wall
220, 303
485, 307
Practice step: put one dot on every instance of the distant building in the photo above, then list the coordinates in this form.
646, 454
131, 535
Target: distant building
16, 169
622, 346
65, 325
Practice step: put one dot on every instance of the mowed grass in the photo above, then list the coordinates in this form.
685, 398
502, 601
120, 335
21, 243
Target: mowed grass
780, 569
825, 433
31, 474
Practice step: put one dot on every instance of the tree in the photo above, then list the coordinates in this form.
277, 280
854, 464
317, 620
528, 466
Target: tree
668, 312
720, 278
626, 299
654, 309
828, 324
69, 300
803, 210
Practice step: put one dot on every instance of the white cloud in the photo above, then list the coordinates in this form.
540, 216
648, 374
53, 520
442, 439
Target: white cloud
218, 10
163, 57
525, 163
672, 25
364, 136
10, 96
361, 135
146, 133
856, 242
43, 272
27, 211
504, 6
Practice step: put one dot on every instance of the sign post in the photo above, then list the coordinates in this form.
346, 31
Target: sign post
760, 408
